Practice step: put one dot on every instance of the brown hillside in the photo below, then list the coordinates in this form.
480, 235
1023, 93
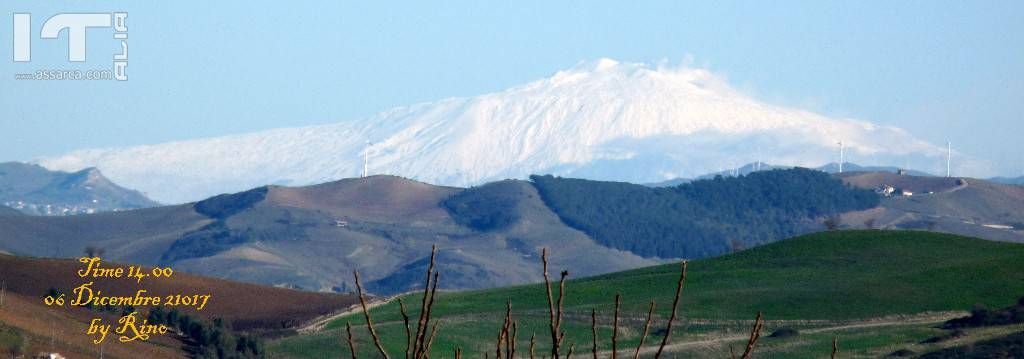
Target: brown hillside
916, 184
62, 331
378, 198
312, 237
247, 306
964, 206
137, 236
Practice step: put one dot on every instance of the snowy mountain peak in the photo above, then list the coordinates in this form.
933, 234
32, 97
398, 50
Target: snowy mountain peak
604, 64
600, 119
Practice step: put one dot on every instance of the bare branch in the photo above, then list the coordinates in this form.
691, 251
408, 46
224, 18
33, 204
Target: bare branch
551, 305
408, 331
501, 340
593, 330
561, 299
369, 322
515, 336
421, 327
615, 328
755, 334
835, 347
533, 343
647, 328
426, 346
351, 343
429, 310
503, 335
675, 304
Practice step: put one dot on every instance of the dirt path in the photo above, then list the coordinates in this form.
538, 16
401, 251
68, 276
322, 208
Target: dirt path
923, 318
320, 322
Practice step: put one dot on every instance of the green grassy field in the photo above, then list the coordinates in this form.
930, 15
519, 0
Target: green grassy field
822, 282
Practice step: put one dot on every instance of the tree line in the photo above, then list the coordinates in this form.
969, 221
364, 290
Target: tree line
211, 340
701, 218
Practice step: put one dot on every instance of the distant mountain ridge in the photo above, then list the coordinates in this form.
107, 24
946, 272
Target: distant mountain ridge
312, 237
761, 166
35, 190
1008, 180
8, 211
853, 167
601, 120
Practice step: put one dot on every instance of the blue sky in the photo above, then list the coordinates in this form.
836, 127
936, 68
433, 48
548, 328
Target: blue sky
942, 70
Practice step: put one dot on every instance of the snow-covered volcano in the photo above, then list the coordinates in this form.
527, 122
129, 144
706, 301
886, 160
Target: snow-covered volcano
598, 120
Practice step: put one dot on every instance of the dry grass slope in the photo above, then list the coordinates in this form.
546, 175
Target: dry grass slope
247, 306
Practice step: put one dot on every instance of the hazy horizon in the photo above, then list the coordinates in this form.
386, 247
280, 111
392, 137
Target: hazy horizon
942, 71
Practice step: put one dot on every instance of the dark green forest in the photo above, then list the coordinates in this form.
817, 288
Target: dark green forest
208, 339
702, 218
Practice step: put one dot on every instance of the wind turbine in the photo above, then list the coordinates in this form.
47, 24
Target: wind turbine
841, 149
366, 159
949, 156
757, 164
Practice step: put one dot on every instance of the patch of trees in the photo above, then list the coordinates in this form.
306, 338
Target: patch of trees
209, 339
227, 205
489, 207
701, 218
983, 317
13, 341
273, 224
203, 242
1010, 346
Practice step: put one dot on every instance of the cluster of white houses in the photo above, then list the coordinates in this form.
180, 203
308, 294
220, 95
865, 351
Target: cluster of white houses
890, 191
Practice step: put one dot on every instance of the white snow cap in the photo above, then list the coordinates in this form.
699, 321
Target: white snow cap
601, 119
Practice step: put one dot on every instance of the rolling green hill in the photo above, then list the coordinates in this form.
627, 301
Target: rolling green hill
815, 281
